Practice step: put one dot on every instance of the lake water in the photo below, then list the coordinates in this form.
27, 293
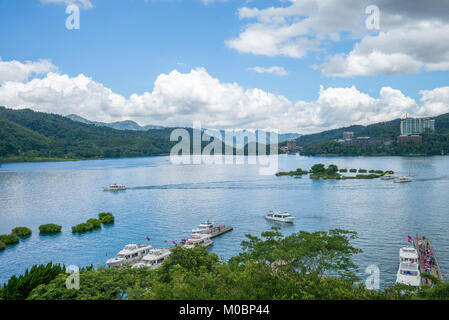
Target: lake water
166, 201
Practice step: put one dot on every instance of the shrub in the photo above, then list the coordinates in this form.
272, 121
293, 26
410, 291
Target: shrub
106, 217
22, 231
49, 228
362, 171
353, 170
82, 227
96, 224
9, 239
343, 170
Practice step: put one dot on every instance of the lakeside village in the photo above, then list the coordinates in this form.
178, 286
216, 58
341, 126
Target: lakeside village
411, 132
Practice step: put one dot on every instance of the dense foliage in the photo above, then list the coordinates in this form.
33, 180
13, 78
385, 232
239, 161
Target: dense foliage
18, 288
317, 265
2, 246
433, 144
106, 217
9, 239
49, 228
22, 232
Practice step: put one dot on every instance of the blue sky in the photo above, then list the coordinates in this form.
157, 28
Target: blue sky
125, 45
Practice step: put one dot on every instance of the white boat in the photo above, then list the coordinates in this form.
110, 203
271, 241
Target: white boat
129, 254
408, 272
387, 177
275, 215
153, 259
115, 187
198, 239
205, 227
403, 179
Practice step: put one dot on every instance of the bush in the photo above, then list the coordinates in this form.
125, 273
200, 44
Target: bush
9, 239
362, 171
343, 170
96, 224
49, 228
106, 217
22, 231
353, 170
82, 227
2, 246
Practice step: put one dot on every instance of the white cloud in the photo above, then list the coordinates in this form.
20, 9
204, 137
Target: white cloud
413, 34
16, 71
179, 98
279, 71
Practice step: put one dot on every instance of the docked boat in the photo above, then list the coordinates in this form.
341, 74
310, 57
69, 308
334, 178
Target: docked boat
153, 259
275, 215
198, 239
387, 177
131, 253
408, 272
403, 179
205, 227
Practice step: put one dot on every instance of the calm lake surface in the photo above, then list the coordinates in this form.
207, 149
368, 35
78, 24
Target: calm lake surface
167, 201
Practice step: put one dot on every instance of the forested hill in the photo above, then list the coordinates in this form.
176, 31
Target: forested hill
29, 135
390, 129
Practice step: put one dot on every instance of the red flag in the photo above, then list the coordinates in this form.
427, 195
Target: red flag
410, 238
148, 239
165, 241
174, 242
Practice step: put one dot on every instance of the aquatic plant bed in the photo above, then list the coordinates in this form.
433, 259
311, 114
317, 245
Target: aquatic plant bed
22, 232
319, 171
49, 229
94, 224
9, 239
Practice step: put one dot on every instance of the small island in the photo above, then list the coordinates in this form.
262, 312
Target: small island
319, 171
22, 232
48, 229
10, 239
94, 224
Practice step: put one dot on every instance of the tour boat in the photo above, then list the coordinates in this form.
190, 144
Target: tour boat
408, 272
403, 179
280, 216
153, 259
129, 254
200, 239
115, 187
205, 227
387, 177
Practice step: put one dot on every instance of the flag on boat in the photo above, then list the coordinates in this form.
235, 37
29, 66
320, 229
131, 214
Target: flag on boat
148, 239
409, 239
165, 241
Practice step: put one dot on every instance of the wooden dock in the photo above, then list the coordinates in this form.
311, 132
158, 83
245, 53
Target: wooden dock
427, 259
218, 231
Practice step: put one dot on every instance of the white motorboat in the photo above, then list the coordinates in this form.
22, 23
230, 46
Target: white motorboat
115, 187
129, 254
403, 179
278, 216
205, 227
153, 259
387, 177
408, 272
198, 239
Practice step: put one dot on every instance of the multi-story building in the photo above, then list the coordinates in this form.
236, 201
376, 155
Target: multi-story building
416, 126
291, 145
348, 135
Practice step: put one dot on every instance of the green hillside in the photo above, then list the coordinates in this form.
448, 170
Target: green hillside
25, 135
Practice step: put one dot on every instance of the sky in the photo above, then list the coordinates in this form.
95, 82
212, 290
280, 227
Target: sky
295, 66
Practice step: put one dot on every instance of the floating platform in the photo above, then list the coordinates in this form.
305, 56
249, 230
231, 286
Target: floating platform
427, 259
218, 231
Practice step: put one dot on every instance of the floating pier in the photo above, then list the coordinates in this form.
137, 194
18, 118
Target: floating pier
427, 259
218, 231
